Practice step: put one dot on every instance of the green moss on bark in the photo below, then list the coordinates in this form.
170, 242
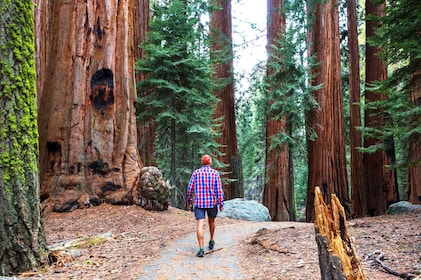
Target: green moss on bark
23, 244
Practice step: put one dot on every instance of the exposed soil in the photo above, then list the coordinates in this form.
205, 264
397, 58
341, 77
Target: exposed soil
134, 240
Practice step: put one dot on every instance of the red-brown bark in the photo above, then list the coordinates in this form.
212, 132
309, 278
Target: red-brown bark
146, 131
221, 32
414, 152
87, 127
357, 181
380, 183
278, 191
326, 154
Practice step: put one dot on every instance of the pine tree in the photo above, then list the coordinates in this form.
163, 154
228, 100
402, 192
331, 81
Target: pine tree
177, 90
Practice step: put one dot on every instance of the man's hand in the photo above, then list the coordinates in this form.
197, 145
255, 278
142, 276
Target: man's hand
221, 209
190, 207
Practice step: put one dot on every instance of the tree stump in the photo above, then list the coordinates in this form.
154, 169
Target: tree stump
337, 254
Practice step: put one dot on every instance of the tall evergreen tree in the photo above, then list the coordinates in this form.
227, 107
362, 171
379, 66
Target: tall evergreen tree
21, 232
145, 129
177, 90
379, 182
277, 195
326, 154
398, 38
355, 138
222, 52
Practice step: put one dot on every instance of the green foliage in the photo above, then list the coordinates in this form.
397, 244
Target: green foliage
177, 90
250, 112
399, 40
288, 95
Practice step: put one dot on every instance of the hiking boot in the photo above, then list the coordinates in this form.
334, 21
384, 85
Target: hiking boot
201, 253
211, 244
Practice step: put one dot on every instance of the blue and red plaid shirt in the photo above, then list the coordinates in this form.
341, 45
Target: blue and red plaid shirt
205, 183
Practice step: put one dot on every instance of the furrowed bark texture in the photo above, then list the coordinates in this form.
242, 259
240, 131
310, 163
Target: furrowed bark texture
22, 242
87, 126
414, 170
146, 131
278, 190
326, 154
380, 183
221, 33
357, 181
337, 255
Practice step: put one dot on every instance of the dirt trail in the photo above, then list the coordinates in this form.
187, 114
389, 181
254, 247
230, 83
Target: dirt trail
179, 261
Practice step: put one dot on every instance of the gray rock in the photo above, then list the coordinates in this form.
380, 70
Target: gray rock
240, 209
402, 207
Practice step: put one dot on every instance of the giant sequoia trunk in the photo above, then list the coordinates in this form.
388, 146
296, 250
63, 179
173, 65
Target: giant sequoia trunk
414, 152
21, 232
221, 32
278, 192
326, 154
87, 127
146, 130
380, 183
355, 137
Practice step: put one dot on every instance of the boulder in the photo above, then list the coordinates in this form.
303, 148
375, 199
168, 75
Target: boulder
241, 209
402, 207
152, 192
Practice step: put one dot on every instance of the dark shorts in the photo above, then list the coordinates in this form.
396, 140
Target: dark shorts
200, 213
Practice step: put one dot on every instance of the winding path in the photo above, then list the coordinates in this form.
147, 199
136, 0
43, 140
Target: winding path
179, 261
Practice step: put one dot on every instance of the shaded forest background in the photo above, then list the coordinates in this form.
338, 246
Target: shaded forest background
94, 93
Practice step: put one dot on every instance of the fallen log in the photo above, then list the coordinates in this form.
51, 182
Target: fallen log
269, 245
337, 255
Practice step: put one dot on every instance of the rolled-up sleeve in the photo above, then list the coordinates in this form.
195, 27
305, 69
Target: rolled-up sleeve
190, 188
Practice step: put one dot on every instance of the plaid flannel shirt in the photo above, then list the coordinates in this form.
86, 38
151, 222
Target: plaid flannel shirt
205, 183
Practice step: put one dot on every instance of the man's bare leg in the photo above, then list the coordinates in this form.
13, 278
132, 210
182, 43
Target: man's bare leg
211, 227
200, 233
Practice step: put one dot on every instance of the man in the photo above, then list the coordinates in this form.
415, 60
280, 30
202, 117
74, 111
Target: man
206, 184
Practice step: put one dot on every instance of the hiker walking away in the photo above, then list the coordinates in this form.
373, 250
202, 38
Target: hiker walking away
205, 182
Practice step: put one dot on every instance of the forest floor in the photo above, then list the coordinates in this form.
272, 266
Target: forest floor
128, 242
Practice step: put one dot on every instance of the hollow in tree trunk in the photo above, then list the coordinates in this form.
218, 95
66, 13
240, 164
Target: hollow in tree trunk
87, 126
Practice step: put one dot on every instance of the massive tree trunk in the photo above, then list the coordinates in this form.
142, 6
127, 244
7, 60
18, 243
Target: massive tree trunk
22, 245
221, 33
380, 183
87, 127
326, 154
146, 131
357, 180
278, 189
414, 152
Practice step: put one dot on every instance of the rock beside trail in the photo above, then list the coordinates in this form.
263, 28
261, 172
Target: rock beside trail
402, 207
241, 209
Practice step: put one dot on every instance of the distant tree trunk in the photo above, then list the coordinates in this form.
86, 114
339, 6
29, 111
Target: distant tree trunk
357, 180
221, 33
278, 189
87, 126
380, 183
337, 255
21, 231
146, 131
414, 169
326, 154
